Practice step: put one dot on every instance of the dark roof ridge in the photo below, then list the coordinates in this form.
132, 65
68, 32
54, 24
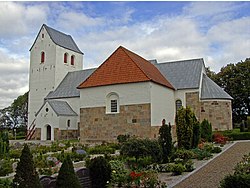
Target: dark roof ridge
178, 61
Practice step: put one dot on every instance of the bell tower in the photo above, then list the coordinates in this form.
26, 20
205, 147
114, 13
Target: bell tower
52, 55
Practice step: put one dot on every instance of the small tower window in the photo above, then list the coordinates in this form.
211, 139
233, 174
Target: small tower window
42, 35
68, 123
65, 58
72, 62
42, 57
178, 104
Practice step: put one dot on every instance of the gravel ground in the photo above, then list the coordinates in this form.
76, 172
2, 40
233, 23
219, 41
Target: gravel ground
214, 171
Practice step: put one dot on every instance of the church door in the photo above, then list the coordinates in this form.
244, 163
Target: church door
48, 132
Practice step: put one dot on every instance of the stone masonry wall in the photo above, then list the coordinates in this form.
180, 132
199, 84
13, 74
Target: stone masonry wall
37, 134
65, 134
97, 126
218, 113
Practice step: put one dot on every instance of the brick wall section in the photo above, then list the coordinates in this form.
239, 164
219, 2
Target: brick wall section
219, 113
97, 126
37, 134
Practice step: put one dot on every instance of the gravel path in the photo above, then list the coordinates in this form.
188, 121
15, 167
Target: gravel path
211, 174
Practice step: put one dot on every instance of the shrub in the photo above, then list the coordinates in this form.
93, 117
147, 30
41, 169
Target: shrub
165, 141
236, 181
206, 130
196, 134
119, 173
66, 176
123, 138
4, 144
178, 169
142, 148
184, 127
219, 138
5, 167
101, 149
6, 183
184, 154
15, 153
189, 165
26, 175
201, 154
216, 149
100, 172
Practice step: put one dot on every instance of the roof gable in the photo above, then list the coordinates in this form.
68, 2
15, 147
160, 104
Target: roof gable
124, 66
62, 108
61, 39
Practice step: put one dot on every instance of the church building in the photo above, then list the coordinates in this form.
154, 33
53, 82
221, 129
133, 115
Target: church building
126, 94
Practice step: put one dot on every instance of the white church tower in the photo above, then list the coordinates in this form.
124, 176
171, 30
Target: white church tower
52, 55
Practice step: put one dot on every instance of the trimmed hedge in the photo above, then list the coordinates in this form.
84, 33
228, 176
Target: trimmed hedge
235, 134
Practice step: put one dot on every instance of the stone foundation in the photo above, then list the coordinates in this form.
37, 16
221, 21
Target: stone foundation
65, 134
218, 113
37, 134
97, 126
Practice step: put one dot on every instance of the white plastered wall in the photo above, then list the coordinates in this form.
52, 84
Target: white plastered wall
134, 93
162, 104
181, 95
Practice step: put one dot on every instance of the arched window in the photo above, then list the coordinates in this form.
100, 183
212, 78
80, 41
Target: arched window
72, 62
42, 57
68, 123
178, 104
65, 58
112, 105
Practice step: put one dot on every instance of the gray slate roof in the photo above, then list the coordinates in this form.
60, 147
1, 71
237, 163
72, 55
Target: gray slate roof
182, 74
61, 39
210, 90
67, 88
61, 108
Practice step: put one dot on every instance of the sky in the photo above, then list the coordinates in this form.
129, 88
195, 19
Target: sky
218, 32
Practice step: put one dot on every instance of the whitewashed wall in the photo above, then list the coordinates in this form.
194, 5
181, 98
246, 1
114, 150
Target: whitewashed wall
181, 94
134, 93
162, 104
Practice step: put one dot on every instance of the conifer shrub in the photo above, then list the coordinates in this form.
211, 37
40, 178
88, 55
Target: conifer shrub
100, 172
206, 130
184, 127
4, 144
66, 176
165, 141
26, 175
196, 133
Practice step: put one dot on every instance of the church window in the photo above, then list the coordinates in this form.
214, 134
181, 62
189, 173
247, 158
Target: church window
112, 103
42, 35
72, 60
178, 104
65, 58
68, 123
42, 57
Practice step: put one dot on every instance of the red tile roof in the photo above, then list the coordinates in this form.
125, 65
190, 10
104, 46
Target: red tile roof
124, 66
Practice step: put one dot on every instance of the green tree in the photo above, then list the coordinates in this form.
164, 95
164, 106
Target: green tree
66, 176
100, 172
184, 127
206, 130
165, 140
26, 175
235, 80
196, 132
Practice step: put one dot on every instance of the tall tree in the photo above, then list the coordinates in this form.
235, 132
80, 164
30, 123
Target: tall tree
235, 80
26, 175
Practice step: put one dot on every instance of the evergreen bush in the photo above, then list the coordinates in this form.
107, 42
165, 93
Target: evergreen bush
206, 130
26, 175
184, 127
165, 141
100, 172
196, 132
4, 144
66, 176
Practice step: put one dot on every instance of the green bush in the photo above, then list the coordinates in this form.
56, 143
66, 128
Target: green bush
216, 149
66, 176
236, 181
5, 167
189, 165
100, 172
178, 169
184, 154
196, 133
123, 138
206, 130
6, 183
15, 153
201, 154
101, 149
142, 148
119, 173
184, 127
165, 141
